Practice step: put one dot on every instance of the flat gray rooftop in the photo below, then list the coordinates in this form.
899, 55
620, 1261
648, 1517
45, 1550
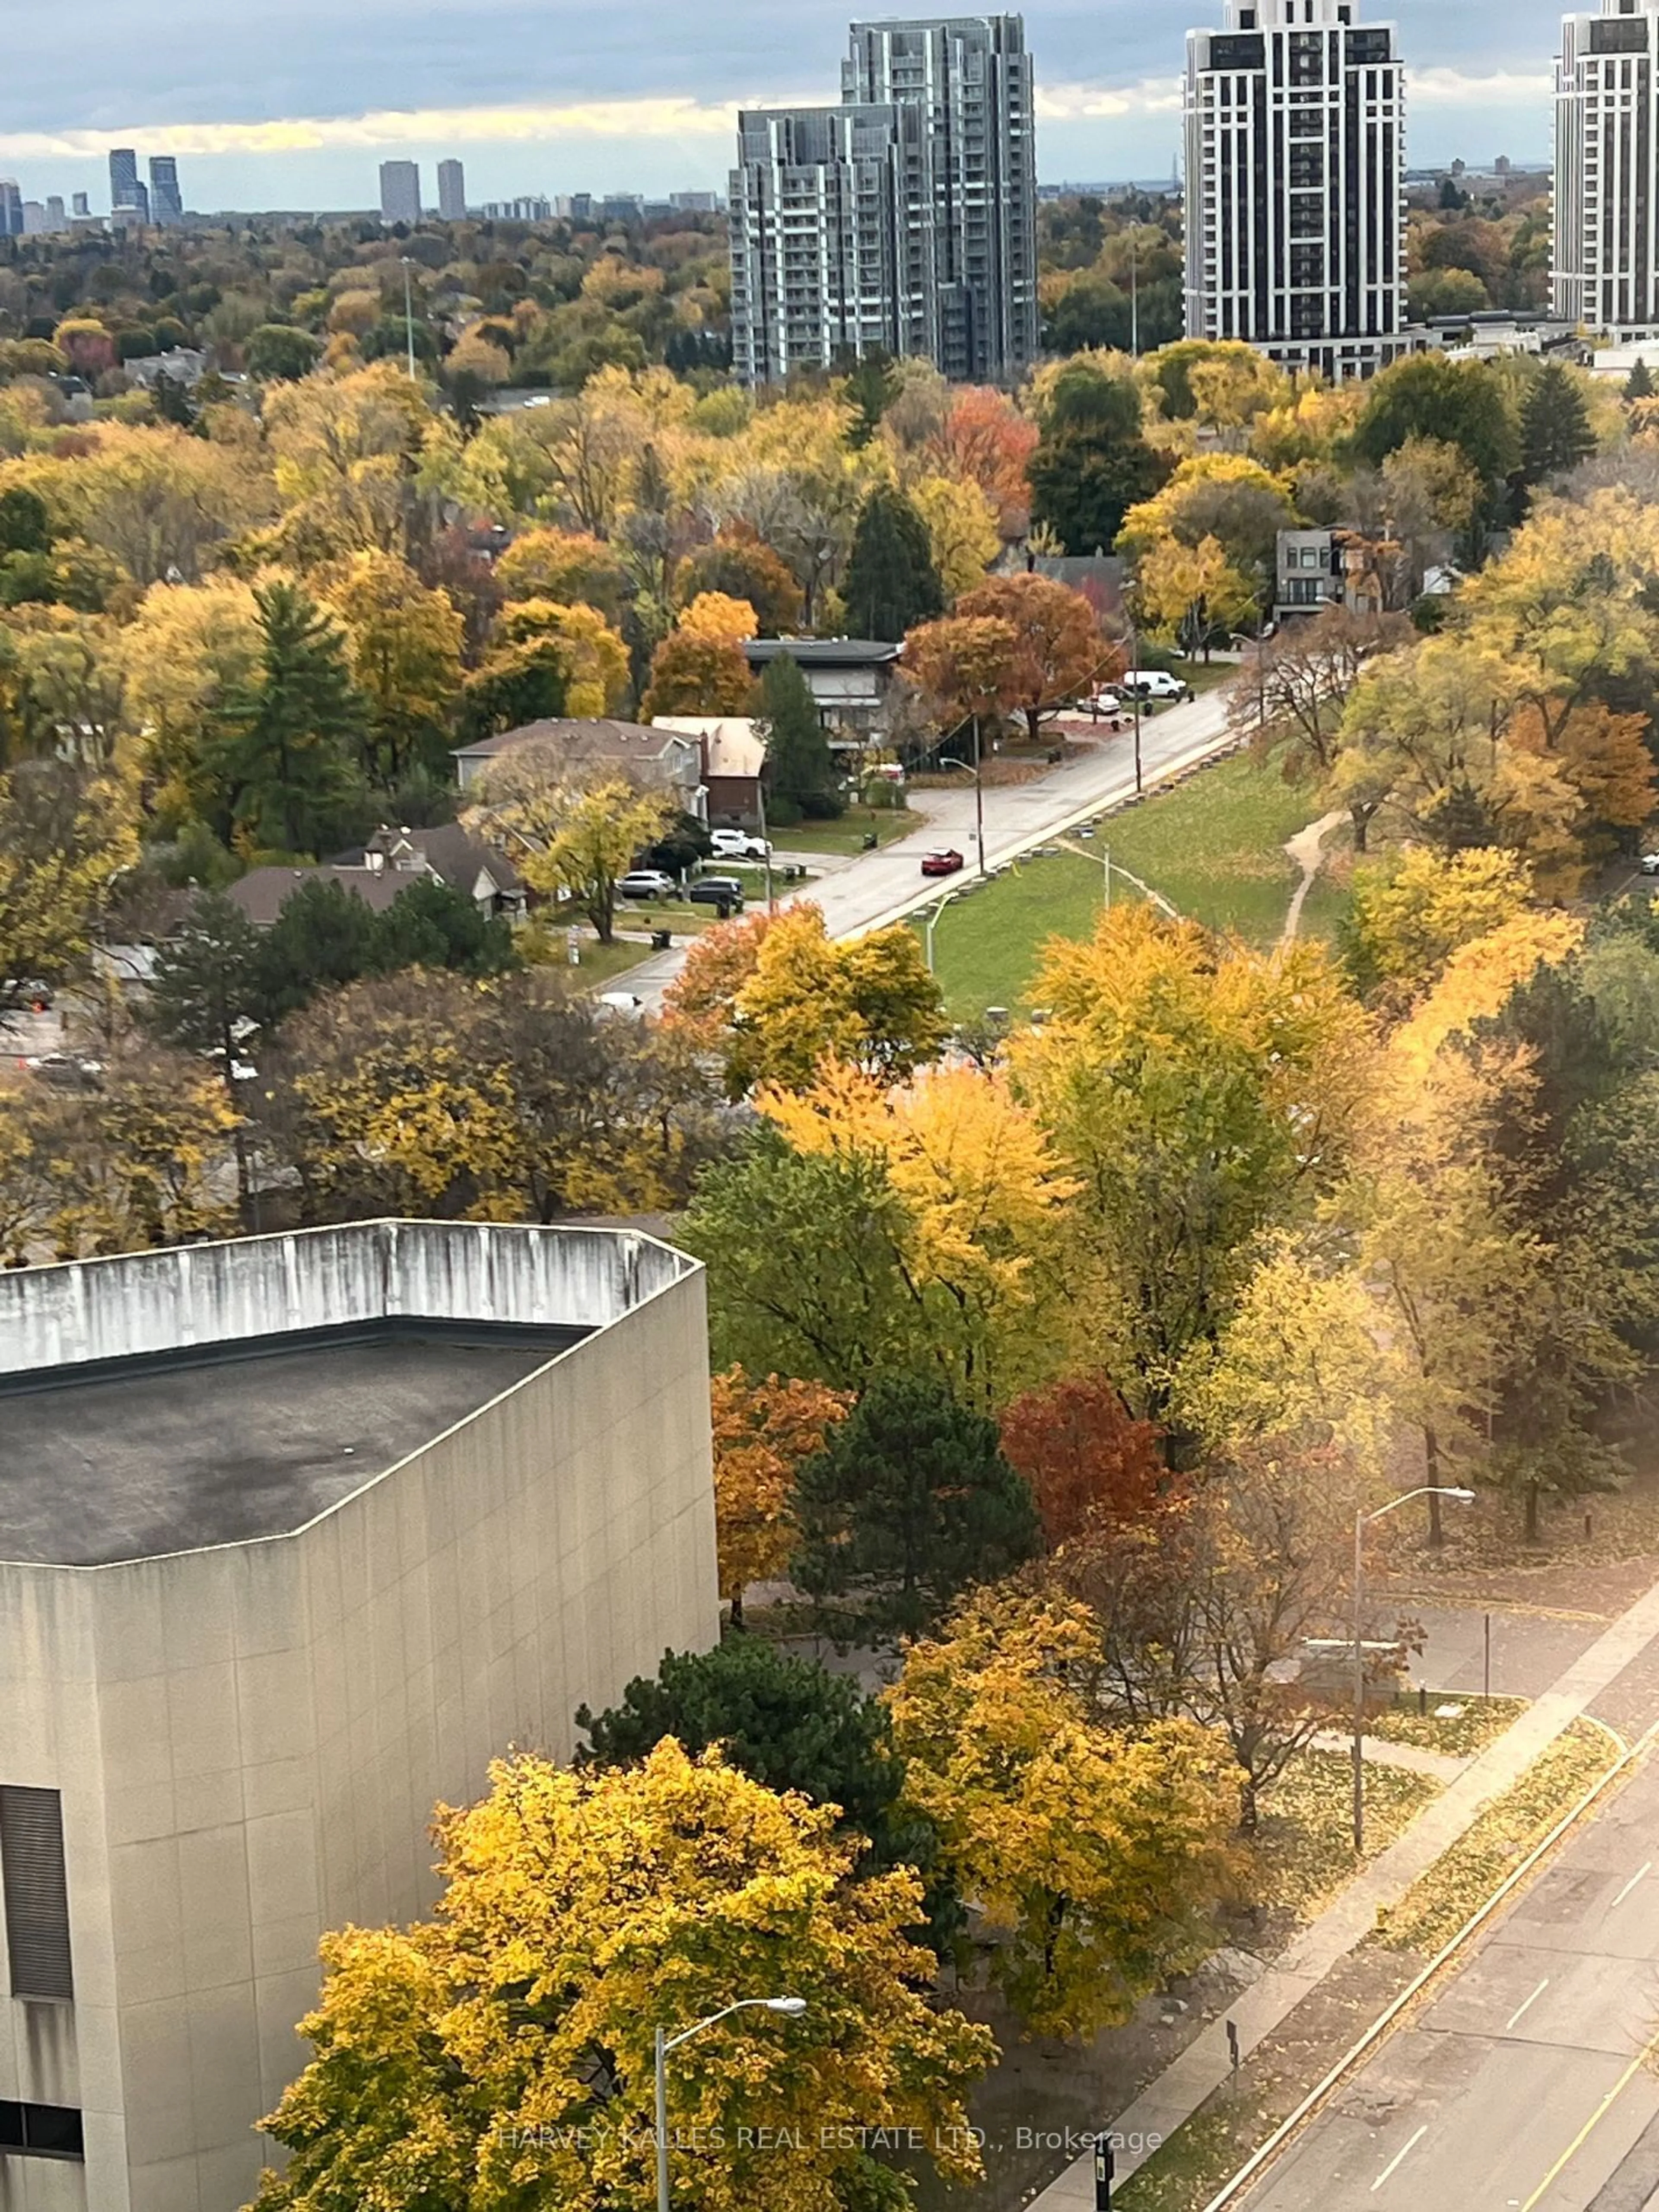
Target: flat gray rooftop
150, 1455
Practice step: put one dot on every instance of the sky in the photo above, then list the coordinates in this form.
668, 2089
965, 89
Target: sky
294, 103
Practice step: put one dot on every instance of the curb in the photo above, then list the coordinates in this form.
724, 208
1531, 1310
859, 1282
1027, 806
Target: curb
1261, 2157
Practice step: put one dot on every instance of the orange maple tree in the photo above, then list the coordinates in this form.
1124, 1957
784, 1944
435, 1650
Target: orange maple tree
1088, 1464
986, 440
763, 1431
1058, 648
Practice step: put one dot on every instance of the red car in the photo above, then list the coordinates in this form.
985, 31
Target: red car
943, 862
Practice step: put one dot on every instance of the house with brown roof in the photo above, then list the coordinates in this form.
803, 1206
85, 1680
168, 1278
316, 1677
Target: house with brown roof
649, 755
386, 868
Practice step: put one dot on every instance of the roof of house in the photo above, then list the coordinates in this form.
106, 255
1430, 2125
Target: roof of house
451, 852
581, 738
732, 745
821, 652
263, 892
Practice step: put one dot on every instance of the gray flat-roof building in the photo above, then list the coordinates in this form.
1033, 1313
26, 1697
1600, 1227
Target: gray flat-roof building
400, 191
296, 1533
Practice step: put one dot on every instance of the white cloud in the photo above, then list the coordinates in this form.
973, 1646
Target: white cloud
1071, 103
598, 119
1451, 88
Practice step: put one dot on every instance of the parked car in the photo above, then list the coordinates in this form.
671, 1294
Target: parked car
716, 890
65, 1071
1649, 864
739, 845
1102, 703
1154, 684
646, 883
943, 860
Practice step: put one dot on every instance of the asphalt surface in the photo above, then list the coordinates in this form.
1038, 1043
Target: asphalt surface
878, 888
1529, 2085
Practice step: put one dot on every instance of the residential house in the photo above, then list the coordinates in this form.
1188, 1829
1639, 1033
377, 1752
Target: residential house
851, 679
651, 756
386, 868
733, 764
1308, 573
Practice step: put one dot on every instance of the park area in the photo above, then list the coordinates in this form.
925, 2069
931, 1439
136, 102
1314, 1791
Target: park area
1212, 845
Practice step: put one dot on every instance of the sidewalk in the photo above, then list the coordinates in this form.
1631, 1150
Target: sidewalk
1206, 2062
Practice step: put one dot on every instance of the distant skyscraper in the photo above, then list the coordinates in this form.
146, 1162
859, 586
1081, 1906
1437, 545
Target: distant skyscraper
906, 218
167, 204
1606, 171
1296, 185
452, 191
400, 191
81, 205
11, 208
56, 218
125, 189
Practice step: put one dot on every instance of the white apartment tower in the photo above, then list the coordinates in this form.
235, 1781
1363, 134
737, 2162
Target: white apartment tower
1606, 171
1295, 116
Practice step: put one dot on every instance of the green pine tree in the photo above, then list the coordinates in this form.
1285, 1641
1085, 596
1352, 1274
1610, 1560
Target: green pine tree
1638, 384
289, 750
891, 582
206, 984
909, 1503
1555, 426
802, 769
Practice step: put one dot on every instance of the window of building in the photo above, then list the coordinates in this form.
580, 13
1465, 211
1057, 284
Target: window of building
36, 1893
40, 2130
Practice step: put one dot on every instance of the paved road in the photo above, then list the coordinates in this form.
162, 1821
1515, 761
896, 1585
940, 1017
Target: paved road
1526, 2086
883, 887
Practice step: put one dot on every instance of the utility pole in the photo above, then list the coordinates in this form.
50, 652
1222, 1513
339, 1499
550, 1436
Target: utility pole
760, 795
1134, 295
979, 794
408, 316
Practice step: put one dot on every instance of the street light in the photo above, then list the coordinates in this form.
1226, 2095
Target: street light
409, 314
948, 760
1362, 1520
930, 923
791, 2008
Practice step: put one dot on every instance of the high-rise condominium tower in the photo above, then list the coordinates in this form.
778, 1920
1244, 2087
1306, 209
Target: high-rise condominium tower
1607, 170
906, 218
167, 205
1295, 185
452, 191
400, 191
127, 196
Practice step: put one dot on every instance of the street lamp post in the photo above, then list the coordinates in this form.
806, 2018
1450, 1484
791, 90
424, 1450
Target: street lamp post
766, 857
930, 923
949, 760
1362, 1520
792, 2009
409, 315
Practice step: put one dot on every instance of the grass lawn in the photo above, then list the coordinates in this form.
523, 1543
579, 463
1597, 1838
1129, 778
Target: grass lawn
1433, 1909
1479, 1722
1213, 846
1302, 1853
602, 963
848, 833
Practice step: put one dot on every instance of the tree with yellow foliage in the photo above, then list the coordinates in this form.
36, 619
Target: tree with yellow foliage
962, 529
718, 616
591, 657
869, 1003
1193, 595
565, 565
1412, 911
404, 648
573, 842
763, 1431
503, 2053
1199, 1094
695, 673
65, 837
188, 651
1097, 1856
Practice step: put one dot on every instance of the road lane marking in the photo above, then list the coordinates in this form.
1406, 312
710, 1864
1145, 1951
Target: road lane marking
1630, 1885
1527, 2004
1399, 2157
1592, 2124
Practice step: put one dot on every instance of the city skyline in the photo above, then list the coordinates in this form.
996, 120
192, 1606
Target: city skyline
649, 114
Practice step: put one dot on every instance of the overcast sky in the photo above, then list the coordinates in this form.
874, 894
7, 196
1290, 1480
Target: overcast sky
294, 105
